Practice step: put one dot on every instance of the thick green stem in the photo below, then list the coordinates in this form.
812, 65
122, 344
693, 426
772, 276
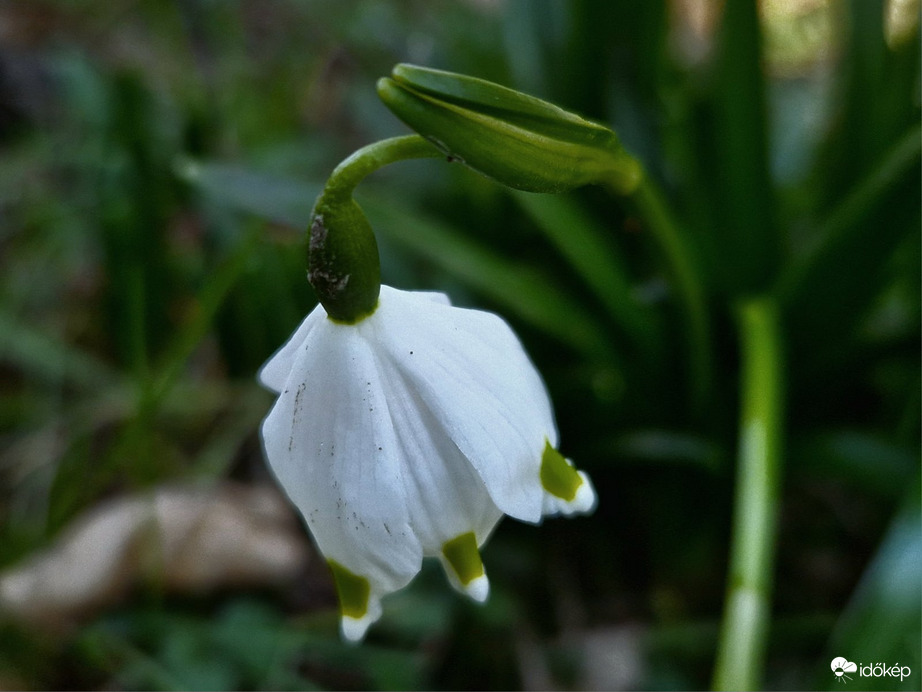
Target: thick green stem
649, 204
741, 648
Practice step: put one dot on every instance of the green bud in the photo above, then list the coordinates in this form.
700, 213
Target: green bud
342, 264
517, 140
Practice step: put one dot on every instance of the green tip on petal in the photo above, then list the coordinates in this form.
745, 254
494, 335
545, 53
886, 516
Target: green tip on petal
462, 555
463, 567
559, 477
352, 589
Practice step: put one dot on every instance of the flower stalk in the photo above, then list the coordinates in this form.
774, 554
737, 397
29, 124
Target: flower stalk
343, 264
741, 646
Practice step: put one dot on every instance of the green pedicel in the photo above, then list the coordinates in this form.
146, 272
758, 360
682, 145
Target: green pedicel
342, 261
558, 477
463, 556
352, 589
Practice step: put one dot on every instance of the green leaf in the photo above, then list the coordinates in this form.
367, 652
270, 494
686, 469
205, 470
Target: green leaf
582, 242
877, 88
209, 300
281, 200
745, 244
665, 447
869, 462
881, 623
830, 287
49, 358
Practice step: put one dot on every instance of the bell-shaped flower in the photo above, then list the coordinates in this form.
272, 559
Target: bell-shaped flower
409, 434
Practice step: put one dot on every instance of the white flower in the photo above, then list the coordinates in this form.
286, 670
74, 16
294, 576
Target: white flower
410, 434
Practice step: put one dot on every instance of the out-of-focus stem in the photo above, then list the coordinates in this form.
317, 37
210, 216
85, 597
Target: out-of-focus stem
741, 647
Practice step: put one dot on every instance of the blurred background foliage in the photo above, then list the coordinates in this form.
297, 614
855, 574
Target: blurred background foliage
158, 163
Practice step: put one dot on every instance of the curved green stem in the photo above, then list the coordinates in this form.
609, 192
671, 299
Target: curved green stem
370, 158
741, 647
650, 205
343, 265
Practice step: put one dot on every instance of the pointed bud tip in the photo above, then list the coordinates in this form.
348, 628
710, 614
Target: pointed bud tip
383, 86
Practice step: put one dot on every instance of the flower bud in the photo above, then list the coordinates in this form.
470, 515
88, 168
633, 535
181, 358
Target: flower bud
516, 139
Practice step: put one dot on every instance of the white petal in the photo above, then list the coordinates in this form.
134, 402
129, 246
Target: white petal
472, 374
277, 369
434, 296
445, 496
333, 448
